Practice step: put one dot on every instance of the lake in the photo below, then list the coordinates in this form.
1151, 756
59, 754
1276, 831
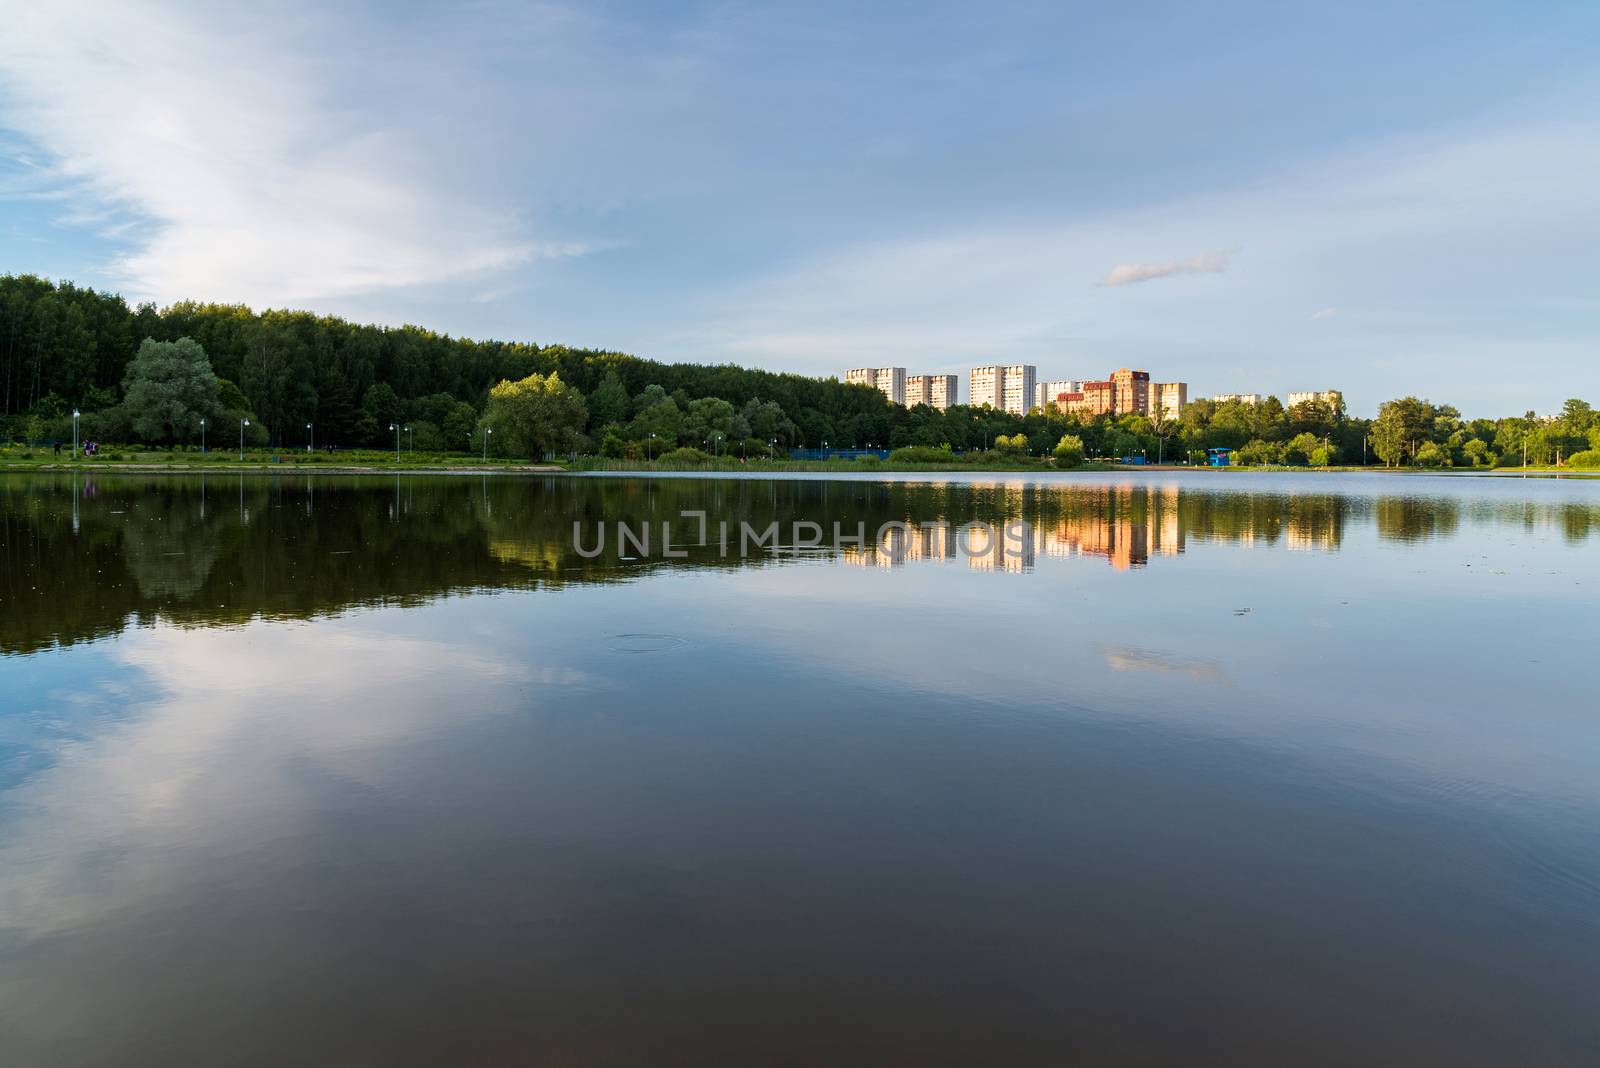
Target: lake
1094, 769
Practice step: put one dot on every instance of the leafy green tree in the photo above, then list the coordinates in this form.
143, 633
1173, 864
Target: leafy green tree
168, 388
767, 422
426, 436
380, 408
460, 426
656, 417
1258, 451
537, 415
1579, 415
609, 402
1401, 426
712, 418
1300, 447
337, 414
1013, 445
1432, 454
1069, 451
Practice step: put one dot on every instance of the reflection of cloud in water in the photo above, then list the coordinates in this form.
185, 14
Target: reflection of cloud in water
244, 722
1128, 658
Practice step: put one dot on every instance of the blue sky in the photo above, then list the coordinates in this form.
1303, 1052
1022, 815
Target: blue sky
1383, 198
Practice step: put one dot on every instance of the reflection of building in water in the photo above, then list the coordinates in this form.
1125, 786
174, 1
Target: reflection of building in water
1125, 525
901, 543
1007, 546
1129, 526
1311, 526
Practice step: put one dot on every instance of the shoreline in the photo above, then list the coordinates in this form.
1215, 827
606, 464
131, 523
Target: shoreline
137, 467
817, 467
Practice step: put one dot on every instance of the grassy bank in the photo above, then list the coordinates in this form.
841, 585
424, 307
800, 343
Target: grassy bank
125, 458
836, 466
373, 461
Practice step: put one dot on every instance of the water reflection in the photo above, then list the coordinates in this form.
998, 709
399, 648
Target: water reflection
84, 557
1158, 767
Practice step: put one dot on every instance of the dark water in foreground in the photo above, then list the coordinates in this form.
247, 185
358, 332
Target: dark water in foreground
1246, 770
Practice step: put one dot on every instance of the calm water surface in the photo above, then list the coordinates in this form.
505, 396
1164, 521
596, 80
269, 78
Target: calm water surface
1169, 770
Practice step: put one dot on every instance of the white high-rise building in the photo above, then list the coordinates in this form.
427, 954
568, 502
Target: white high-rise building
890, 381
1009, 387
1327, 396
936, 391
1168, 398
1047, 392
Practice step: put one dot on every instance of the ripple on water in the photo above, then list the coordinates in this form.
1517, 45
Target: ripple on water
645, 643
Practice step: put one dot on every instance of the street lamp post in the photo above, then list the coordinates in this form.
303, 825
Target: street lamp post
202, 434
75, 414
242, 424
396, 428
486, 432
650, 449
411, 441
311, 438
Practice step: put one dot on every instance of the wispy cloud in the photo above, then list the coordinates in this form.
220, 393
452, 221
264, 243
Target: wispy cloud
1325, 313
1127, 274
233, 164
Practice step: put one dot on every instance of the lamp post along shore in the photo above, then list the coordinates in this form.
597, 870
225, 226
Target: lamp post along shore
311, 438
202, 434
75, 414
242, 424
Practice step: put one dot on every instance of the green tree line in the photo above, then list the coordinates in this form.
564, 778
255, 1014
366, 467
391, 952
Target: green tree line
296, 377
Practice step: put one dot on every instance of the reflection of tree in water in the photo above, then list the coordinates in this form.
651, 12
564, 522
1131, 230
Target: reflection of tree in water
77, 565
1417, 518
167, 548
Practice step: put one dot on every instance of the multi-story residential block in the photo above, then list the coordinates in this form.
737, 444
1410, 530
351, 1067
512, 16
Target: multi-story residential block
983, 386
890, 381
1099, 398
1327, 396
936, 391
1008, 387
1131, 392
1240, 398
1017, 396
1168, 399
1050, 392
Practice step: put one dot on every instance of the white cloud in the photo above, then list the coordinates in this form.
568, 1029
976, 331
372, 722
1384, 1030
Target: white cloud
1383, 225
1325, 313
250, 174
114, 820
1127, 274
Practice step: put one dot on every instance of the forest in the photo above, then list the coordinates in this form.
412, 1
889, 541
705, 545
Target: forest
299, 378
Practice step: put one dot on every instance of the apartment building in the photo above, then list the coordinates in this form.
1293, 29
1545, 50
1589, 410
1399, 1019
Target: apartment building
1168, 399
1130, 392
1009, 387
1099, 398
890, 381
936, 391
1326, 396
1050, 392
1239, 398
